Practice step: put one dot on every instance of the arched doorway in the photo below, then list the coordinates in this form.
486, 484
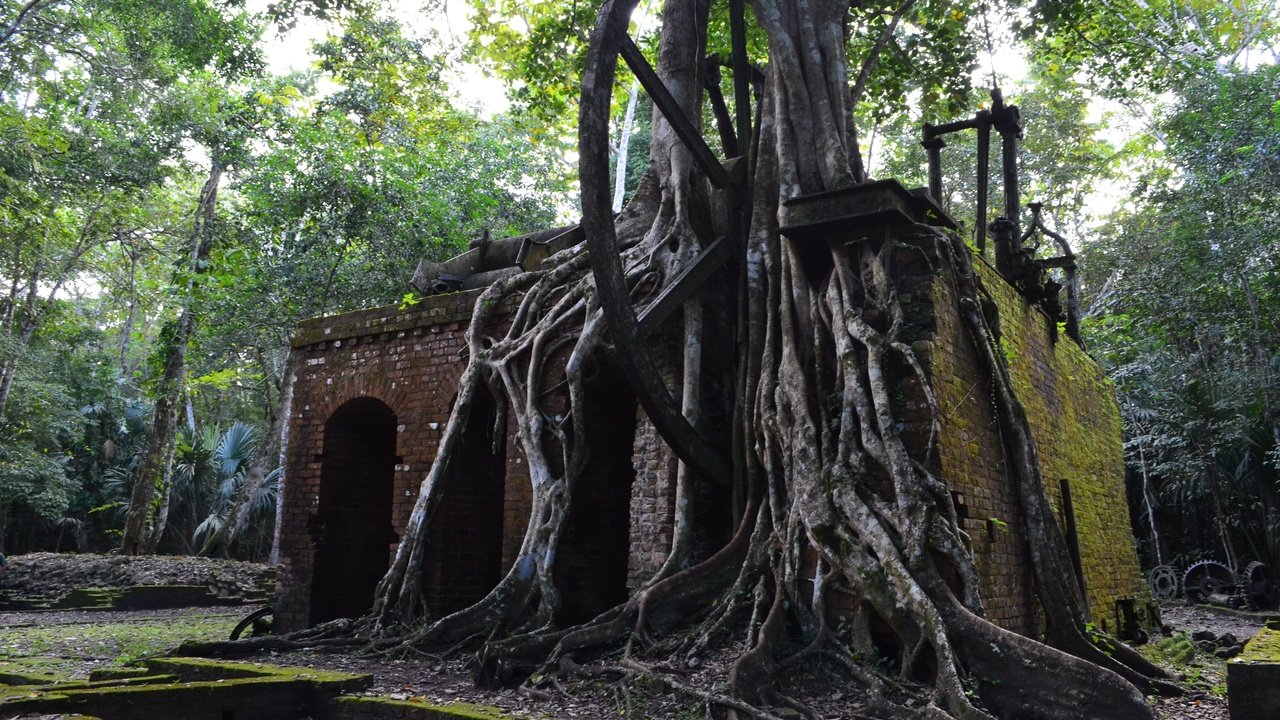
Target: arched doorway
464, 544
591, 559
352, 528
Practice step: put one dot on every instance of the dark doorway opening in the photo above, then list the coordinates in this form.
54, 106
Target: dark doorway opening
591, 565
464, 544
352, 528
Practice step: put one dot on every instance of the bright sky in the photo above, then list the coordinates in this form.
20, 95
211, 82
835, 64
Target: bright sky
292, 51
486, 94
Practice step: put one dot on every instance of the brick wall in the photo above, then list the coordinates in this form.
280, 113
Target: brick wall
1075, 421
408, 362
653, 502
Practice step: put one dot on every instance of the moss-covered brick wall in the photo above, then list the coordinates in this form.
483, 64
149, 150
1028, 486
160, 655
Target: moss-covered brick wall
1076, 424
409, 360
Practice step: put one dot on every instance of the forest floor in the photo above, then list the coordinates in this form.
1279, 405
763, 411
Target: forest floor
54, 574
71, 643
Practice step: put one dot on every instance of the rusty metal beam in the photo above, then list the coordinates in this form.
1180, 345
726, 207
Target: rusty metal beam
741, 74
606, 266
685, 285
670, 109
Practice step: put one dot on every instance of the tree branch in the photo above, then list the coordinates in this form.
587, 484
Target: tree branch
873, 57
15, 26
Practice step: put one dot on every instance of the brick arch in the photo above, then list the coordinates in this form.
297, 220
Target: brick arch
352, 526
357, 386
464, 545
594, 550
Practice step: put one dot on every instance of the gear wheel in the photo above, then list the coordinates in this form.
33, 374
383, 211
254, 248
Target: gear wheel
1257, 587
1164, 582
1206, 578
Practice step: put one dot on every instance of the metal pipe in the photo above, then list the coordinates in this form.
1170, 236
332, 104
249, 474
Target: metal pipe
933, 147
670, 109
741, 73
1007, 124
984, 180
933, 131
1073, 304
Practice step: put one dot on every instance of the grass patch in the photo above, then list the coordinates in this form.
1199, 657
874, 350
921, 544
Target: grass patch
1176, 650
1180, 654
66, 649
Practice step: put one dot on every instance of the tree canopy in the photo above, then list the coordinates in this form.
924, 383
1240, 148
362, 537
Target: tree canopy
170, 209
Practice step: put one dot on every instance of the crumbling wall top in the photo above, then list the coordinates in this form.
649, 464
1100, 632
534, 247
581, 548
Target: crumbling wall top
432, 310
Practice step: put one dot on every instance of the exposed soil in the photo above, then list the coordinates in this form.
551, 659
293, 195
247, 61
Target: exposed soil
450, 679
51, 575
1219, 621
1205, 675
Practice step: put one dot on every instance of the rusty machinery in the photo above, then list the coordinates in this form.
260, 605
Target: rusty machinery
1015, 260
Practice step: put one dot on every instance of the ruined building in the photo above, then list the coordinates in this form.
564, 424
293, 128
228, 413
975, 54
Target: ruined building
373, 389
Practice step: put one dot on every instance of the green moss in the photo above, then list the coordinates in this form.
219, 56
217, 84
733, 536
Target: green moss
120, 643
1177, 650
201, 669
218, 682
1262, 648
1077, 427
465, 711
31, 671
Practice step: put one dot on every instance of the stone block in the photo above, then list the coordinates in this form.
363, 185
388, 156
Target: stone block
1253, 678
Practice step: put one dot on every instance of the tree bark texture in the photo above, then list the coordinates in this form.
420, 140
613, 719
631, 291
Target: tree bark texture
818, 463
155, 472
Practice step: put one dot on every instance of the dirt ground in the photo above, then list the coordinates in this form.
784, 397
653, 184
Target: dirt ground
72, 643
1204, 675
54, 574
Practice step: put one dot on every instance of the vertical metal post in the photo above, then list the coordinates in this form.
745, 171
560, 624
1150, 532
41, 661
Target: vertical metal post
933, 147
1073, 540
984, 179
1073, 302
1009, 132
1005, 238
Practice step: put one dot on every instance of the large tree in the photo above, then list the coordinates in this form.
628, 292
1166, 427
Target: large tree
812, 451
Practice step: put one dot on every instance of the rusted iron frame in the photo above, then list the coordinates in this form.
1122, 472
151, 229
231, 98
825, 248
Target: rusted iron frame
609, 40
719, 108
670, 110
731, 176
1005, 119
741, 75
1066, 261
933, 148
984, 181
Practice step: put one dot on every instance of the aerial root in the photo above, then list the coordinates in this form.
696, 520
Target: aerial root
258, 644
731, 704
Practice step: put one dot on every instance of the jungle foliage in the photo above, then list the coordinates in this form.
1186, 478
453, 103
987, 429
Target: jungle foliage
115, 115
329, 185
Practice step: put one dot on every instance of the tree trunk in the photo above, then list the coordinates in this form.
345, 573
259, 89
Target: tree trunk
31, 307
155, 471
819, 461
288, 376
26, 330
1148, 501
624, 145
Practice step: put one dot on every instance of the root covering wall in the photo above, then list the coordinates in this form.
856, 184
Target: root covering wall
1076, 423
409, 360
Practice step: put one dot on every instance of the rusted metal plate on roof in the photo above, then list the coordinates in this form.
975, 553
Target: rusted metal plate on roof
879, 204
